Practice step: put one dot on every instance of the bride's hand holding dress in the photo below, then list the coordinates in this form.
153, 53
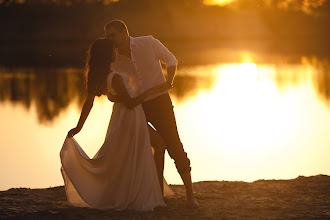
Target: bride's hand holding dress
84, 114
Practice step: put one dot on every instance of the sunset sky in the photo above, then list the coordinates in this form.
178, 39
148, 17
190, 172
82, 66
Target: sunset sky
306, 6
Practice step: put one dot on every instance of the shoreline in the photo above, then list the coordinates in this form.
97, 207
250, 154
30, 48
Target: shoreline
302, 197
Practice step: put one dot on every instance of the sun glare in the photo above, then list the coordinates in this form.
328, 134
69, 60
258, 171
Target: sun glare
255, 119
246, 102
218, 2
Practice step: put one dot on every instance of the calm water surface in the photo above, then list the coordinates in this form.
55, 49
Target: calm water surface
237, 120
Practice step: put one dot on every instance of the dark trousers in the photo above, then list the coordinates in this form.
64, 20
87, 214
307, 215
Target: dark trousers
159, 112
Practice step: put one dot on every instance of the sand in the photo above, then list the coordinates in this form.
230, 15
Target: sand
300, 198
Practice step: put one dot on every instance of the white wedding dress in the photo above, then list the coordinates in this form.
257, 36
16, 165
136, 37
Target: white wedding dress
122, 174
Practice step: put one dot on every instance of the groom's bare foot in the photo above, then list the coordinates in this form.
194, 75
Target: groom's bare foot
192, 203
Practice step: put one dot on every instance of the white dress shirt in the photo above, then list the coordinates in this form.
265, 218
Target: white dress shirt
144, 69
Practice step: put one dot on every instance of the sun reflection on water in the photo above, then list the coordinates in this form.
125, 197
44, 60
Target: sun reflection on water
250, 126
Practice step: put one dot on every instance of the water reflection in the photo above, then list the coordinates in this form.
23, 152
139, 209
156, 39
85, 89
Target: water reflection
311, 69
49, 90
322, 76
52, 90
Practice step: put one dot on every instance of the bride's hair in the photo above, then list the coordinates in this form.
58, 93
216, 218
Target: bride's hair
99, 57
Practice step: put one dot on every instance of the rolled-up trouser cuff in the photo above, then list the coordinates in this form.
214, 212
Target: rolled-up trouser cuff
183, 165
183, 170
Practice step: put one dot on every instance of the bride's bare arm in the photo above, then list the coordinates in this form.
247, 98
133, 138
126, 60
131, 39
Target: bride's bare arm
119, 86
122, 94
84, 114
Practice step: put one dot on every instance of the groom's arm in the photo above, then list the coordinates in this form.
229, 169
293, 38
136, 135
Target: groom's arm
171, 70
165, 56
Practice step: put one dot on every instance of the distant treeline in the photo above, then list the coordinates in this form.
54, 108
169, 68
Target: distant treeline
308, 6
59, 32
170, 19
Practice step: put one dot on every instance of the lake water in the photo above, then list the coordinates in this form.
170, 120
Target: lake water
245, 119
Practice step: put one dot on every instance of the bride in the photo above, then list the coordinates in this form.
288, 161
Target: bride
122, 174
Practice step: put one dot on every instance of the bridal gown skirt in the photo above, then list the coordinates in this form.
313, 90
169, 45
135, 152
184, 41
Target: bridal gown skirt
122, 174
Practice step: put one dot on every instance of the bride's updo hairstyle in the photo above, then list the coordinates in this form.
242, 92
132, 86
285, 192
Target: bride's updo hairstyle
99, 57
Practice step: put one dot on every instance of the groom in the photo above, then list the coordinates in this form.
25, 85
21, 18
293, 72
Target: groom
139, 58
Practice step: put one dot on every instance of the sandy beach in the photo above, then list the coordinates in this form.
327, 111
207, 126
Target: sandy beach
300, 198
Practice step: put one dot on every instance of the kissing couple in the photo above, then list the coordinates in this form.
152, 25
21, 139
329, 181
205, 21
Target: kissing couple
125, 173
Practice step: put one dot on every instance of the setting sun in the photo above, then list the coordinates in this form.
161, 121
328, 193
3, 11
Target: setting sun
217, 2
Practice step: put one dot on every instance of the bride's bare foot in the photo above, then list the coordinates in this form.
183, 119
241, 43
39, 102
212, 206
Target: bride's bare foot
192, 203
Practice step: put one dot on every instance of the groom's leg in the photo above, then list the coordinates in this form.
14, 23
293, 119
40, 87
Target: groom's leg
159, 112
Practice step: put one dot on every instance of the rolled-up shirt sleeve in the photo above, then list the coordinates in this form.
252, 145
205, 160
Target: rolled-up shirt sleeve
162, 53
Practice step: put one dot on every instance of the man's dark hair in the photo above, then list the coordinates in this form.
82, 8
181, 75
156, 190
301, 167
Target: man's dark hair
118, 25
